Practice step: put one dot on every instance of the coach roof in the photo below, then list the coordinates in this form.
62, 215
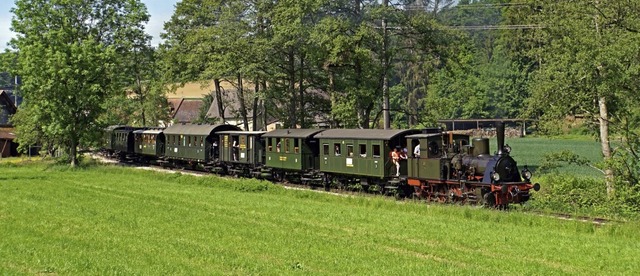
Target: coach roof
149, 131
367, 134
191, 129
292, 133
240, 132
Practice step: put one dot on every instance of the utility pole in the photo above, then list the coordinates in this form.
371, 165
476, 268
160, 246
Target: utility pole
15, 92
385, 68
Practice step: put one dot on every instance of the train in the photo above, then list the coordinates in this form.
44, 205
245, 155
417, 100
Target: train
441, 166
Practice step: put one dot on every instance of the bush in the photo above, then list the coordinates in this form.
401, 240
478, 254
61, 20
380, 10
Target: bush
585, 196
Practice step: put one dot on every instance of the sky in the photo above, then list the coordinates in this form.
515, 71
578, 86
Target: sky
160, 11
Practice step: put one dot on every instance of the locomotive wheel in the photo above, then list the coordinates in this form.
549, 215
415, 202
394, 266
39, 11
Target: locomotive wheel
489, 200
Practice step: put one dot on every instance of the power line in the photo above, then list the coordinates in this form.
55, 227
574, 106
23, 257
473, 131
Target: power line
482, 27
496, 27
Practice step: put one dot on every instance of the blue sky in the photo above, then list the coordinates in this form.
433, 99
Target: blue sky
160, 11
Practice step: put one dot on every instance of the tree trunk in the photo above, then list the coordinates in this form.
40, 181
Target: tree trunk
73, 151
216, 84
243, 107
292, 90
604, 141
256, 99
301, 91
603, 119
265, 116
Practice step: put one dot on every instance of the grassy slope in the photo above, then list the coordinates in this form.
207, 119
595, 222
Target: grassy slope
114, 220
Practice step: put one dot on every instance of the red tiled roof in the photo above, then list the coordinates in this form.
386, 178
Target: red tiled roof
175, 105
188, 111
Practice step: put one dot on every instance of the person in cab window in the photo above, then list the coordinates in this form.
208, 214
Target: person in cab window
395, 158
235, 149
278, 147
214, 149
416, 151
403, 154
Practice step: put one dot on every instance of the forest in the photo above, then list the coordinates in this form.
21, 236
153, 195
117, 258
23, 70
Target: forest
85, 64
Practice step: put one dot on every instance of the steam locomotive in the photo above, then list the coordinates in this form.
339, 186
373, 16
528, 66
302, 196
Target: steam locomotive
451, 167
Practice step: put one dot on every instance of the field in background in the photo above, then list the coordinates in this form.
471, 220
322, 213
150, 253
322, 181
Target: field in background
530, 151
112, 220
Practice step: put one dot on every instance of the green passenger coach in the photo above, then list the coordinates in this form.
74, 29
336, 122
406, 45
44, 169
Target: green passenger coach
292, 149
245, 150
149, 142
193, 142
362, 152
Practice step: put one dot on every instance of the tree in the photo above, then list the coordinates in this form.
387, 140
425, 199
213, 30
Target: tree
70, 59
589, 66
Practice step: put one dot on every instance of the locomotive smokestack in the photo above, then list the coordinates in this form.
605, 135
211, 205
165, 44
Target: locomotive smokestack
500, 136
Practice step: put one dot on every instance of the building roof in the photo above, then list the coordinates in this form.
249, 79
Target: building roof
188, 111
192, 129
149, 131
292, 133
9, 98
175, 105
7, 108
366, 134
241, 132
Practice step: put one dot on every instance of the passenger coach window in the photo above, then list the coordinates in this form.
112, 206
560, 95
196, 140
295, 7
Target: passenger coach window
296, 146
336, 148
325, 149
350, 150
269, 148
363, 150
376, 151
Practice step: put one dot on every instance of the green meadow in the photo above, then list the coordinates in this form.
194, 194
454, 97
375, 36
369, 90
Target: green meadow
531, 151
114, 220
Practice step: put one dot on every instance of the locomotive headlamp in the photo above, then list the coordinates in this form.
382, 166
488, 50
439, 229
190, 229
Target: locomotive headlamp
526, 174
495, 176
507, 149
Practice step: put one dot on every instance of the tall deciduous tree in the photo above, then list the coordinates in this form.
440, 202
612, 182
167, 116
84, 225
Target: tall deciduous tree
71, 58
590, 65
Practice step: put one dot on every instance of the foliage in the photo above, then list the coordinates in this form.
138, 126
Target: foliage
54, 220
553, 160
586, 196
587, 68
70, 59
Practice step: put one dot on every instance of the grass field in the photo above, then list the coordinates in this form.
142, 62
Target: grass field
112, 220
530, 151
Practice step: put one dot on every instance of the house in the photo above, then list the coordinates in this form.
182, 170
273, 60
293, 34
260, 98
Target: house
7, 108
185, 110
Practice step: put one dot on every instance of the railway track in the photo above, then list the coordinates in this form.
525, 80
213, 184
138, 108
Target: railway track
332, 191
